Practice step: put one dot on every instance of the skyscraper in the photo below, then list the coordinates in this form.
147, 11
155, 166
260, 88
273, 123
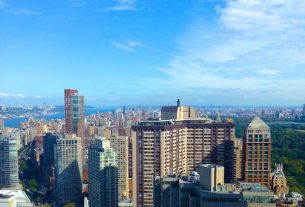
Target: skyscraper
74, 112
257, 152
120, 145
68, 165
8, 162
49, 143
304, 110
174, 146
103, 175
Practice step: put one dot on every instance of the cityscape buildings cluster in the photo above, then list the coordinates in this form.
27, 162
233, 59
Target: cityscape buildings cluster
176, 156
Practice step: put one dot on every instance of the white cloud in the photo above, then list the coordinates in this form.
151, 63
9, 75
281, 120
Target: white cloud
24, 12
269, 72
123, 47
240, 49
120, 5
130, 45
11, 95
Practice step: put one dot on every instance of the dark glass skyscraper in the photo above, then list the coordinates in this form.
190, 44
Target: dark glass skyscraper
8, 162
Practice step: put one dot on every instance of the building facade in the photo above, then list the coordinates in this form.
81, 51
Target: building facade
279, 181
186, 191
8, 162
74, 112
233, 163
174, 146
178, 112
213, 177
48, 165
120, 145
68, 168
257, 153
103, 175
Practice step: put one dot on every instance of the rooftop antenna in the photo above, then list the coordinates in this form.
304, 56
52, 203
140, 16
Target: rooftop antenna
178, 102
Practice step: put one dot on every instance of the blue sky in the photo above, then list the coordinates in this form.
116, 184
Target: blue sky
140, 52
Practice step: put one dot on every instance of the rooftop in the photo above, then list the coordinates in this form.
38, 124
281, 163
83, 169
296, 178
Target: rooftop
257, 123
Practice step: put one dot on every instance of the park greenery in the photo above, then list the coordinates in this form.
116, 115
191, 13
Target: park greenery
288, 147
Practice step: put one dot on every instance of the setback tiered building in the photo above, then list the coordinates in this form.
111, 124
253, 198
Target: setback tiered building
257, 153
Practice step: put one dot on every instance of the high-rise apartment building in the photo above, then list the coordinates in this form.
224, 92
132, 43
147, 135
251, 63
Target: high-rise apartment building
74, 112
304, 110
8, 162
174, 146
68, 165
120, 145
103, 175
257, 153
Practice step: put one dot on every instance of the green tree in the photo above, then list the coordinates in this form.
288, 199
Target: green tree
70, 204
33, 184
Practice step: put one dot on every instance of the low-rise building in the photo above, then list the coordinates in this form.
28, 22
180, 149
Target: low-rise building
13, 198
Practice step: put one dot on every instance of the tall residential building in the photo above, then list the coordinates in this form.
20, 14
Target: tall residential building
212, 177
74, 112
233, 163
120, 145
304, 110
174, 146
257, 153
103, 175
68, 167
8, 162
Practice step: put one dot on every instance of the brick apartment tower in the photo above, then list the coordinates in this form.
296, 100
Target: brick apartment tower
174, 146
257, 153
74, 112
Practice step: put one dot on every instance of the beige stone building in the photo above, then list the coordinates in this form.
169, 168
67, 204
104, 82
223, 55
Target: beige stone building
174, 146
213, 177
120, 145
279, 181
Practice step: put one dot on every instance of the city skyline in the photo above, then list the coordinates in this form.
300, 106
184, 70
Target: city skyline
132, 52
